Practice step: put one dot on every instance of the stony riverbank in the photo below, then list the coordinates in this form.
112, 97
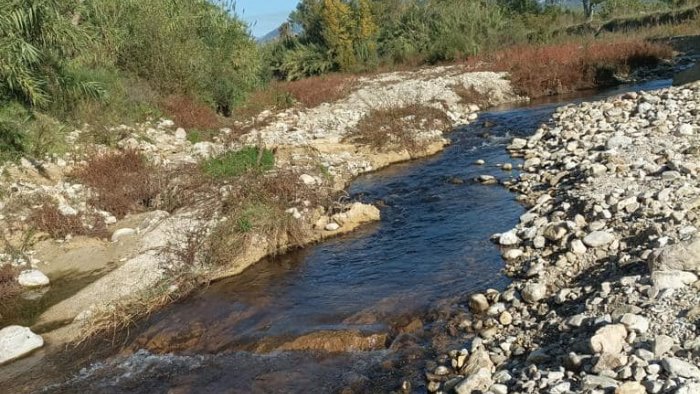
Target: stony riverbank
135, 263
605, 261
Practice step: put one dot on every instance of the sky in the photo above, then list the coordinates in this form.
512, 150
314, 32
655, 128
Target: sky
263, 16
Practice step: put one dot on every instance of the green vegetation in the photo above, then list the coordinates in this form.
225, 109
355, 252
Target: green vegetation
66, 64
236, 163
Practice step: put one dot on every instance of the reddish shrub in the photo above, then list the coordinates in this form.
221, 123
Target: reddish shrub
312, 92
50, 220
8, 285
188, 113
122, 181
552, 69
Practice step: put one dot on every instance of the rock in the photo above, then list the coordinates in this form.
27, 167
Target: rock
598, 239
180, 134
332, 226
32, 278
505, 318
685, 129
479, 162
596, 381
517, 144
499, 389
577, 247
662, 345
631, 388
609, 339
487, 179
672, 279
307, 179
534, 292
618, 141
335, 341
683, 256
478, 303
513, 254
478, 382
507, 167
678, 367
67, 210
633, 322
122, 232
478, 360
509, 238
17, 341
689, 388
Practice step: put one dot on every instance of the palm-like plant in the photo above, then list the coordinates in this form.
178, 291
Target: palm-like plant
37, 39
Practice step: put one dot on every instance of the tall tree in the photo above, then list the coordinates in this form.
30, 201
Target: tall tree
338, 32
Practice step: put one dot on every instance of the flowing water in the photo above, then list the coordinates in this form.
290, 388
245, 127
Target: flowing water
431, 245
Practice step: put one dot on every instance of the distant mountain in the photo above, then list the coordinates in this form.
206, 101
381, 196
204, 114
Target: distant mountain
275, 34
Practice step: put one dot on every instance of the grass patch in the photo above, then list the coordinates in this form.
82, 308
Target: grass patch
314, 91
469, 95
236, 163
121, 181
397, 128
538, 71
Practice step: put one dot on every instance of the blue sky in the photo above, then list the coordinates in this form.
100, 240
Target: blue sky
264, 15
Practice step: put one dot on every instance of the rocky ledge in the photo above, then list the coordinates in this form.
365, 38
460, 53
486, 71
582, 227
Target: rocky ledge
605, 294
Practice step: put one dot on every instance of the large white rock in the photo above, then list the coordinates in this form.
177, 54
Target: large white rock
684, 256
121, 233
17, 341
598, 239
476, 383
680, 368
509, 238
634, 322
609, 339
672, 279
32, 278
534, 292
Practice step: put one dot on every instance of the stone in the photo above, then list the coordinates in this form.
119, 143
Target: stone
122, 233
307, 179
67, 210
478, 303
577, 247
682, 368
487, 179
32, 278
16, 342
534, 292
636, 323
662, 345
689, 388
672, 279
332, 226
180, 134
478, 382
499, 389
509, 238
609, 339
598, 239
513, 254
505, 318
685, 129
631, 388
683, 256
599, 381
478, 360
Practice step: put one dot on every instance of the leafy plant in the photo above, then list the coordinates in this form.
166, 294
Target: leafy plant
236, 163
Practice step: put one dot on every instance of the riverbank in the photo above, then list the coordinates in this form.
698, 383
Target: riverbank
140, 266
605, 288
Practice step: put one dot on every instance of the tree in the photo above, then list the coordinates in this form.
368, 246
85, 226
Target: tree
588, 6
338, 29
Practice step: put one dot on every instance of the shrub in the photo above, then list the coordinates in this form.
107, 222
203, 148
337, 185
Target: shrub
552, 69
8, 281
312, 92
236, 163
121, 181
398, 127
49, 219
469, 95
188, 113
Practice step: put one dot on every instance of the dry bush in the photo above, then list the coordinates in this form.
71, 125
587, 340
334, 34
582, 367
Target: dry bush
121, 181
552, 69
314, 91
8, 283
188, 113
257, 206
469, 95
397, 128
49, 219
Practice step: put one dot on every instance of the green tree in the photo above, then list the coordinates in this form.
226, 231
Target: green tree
338, 32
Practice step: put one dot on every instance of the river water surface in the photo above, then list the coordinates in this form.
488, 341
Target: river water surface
431, 245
